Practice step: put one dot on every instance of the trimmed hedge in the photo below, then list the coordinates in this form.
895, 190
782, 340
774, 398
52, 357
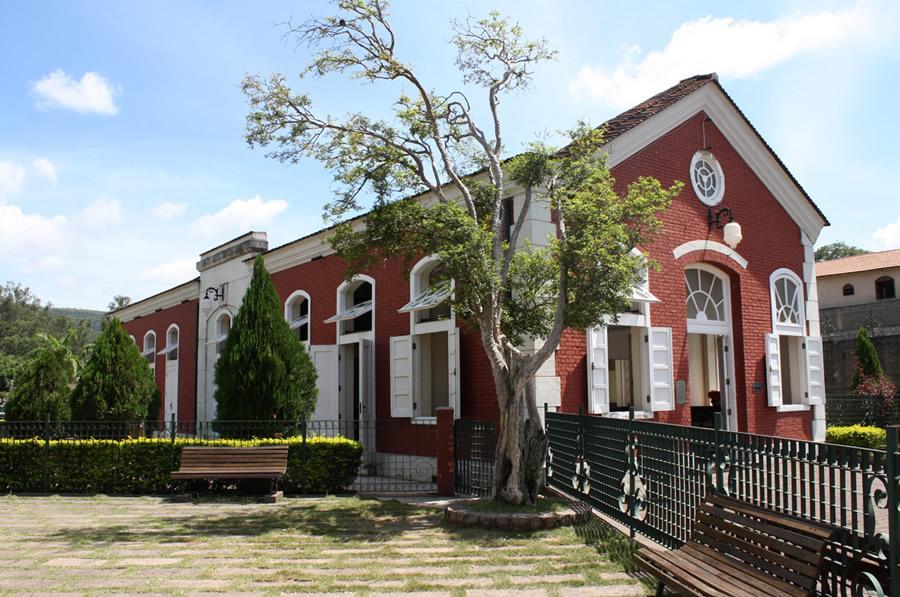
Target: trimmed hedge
859, 436
143, 466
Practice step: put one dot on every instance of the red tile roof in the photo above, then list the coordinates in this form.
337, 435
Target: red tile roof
858, 263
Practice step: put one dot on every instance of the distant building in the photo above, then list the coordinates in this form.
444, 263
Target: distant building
857, 292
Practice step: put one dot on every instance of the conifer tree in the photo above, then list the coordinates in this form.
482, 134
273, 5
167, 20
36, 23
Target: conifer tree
43, 384
264, 372
867, 363
115, 383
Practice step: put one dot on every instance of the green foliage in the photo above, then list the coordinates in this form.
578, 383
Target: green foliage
118, 302
857, 435
115, 383
867, 362
43, 384
837, 250
23, 318
144, 466
264, 372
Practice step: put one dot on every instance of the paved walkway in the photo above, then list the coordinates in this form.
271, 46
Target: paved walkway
343, 546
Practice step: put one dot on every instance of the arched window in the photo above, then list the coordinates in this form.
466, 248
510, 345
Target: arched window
884, 288
848, 290
355, 305
705, 296
223, 326
149, 352
172, 343
429, 290
296, 312
787, 303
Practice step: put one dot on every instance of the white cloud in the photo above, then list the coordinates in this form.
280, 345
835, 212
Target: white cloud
24, 237
888, 237
171, 272
732, 48
168, 210
101, 213
45, 168
93, 93
239, 216
12, 177
67, 281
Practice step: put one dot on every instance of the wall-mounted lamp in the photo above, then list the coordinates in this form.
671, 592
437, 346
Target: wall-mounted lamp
214, 294
731, 229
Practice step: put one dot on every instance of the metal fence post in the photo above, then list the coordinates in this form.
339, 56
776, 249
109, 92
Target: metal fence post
46, 480
173, 432
717, 458
632, 472
303, 476
893, 496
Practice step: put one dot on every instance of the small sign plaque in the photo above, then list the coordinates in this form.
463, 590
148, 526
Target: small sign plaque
681, 391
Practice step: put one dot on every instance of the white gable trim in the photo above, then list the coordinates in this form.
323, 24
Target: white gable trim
708, 245
711, 100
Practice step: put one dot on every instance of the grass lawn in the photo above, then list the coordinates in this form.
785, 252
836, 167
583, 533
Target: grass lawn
329, 545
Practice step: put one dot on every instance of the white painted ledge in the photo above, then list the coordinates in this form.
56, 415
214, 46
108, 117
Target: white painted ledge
709, 245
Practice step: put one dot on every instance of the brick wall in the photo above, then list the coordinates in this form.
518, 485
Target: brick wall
771, 241
184, 316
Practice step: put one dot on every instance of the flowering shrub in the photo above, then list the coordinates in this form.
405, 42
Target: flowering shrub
879, 392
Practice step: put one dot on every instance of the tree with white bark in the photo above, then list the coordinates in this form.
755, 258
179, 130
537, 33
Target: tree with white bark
512, 292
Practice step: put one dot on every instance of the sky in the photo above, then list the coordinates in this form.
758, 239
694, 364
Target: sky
122, 155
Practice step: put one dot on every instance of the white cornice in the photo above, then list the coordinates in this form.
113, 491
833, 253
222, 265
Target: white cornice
163, 300
740, 135
708, 245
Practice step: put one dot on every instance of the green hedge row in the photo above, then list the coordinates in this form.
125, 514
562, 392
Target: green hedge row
143, 466
857, 435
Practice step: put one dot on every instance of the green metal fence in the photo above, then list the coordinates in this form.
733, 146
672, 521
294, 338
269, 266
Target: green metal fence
652, 477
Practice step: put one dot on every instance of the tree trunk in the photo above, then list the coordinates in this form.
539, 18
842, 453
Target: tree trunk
521, 449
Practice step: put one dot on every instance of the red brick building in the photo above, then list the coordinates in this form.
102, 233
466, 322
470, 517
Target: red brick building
728, 323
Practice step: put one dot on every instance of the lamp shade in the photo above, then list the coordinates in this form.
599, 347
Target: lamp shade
733, 235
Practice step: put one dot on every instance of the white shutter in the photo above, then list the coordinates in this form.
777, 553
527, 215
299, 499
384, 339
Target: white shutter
401, 376
598, 370
815, 370
366, 379
325, 359
453, 384
773, 369
659, 358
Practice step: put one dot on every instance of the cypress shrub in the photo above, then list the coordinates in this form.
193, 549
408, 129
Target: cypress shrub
42, 385
264, 372
867, 362
115, 383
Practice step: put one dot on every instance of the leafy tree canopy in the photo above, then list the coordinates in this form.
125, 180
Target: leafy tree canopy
837, 250
264, 371
115, 382
119, 301
44, 383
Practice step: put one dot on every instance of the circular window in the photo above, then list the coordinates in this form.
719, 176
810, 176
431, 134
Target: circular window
707, 178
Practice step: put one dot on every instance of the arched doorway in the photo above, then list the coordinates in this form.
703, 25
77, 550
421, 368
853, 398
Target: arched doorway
709, 343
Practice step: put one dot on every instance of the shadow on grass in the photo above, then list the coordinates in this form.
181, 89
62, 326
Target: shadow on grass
342, 520
615, 546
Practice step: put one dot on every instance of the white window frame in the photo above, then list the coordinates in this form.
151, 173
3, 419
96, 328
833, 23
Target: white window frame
168, 348
294, 324
787, 329
721, 327
146, 352
710, 159
344, 291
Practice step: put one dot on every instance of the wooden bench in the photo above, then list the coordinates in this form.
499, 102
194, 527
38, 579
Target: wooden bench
737, 550
263, 462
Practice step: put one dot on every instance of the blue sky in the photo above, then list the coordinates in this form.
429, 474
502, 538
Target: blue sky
121, 124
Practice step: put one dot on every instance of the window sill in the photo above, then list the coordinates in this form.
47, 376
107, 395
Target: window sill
789, 408
424, 420
623, 414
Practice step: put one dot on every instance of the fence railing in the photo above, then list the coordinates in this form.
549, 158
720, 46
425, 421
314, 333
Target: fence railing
475, 444
652, 477
847, 409
393, 460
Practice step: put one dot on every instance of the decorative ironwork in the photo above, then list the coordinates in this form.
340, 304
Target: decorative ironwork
633, 499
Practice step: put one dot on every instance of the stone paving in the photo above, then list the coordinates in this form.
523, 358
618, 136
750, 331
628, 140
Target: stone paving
334, 546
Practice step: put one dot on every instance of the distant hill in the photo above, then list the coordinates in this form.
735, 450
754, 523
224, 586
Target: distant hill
94, 318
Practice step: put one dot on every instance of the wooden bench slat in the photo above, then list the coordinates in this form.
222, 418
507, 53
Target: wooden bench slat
672, 582
771, 585
693, 575
765, 535
811, 543
809, 527
214, 462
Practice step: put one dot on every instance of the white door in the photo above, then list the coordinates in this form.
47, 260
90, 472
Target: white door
366, 380
598, 371
171, 398
325, 359
729, 400
401, 376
